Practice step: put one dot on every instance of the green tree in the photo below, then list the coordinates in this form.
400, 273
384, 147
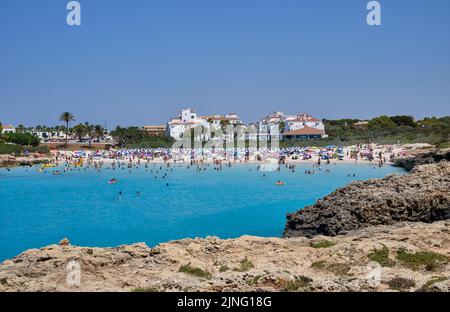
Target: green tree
136, 138
403, 120
382, 122
67, 117
79, 131
25, 139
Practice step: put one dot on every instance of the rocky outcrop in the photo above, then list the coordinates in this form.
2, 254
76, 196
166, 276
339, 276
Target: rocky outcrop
12, 161
343, 263
423, 195
422, 158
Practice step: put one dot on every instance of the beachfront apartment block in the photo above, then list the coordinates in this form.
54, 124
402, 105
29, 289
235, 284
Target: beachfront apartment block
287, 127
188, 119
155, 130
8, 129
274, 126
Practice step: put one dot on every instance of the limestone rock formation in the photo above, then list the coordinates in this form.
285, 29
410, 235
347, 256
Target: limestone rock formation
421, 196
342, 263
422, 159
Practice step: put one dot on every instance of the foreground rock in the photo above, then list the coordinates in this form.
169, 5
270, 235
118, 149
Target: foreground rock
422, 196
245, 264
342, 263
410, 162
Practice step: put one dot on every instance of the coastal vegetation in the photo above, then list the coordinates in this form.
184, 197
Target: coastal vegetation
293, 285
322, 244
381, 256
20, 143
17, 150
194, 271
427, 260
245, 265
134, 137
24, 139
335, 268
427, 287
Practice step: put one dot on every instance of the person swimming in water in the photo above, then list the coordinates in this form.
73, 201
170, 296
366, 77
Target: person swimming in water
120, 195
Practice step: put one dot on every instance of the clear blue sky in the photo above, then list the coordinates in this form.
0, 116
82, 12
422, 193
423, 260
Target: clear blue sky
135, 62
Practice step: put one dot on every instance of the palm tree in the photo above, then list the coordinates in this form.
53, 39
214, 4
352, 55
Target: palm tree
67, 118
1, 129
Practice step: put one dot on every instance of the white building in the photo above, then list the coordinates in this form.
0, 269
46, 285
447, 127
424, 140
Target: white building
49, 135
301, 121
8, 129
279, 123
187, 119
217, 123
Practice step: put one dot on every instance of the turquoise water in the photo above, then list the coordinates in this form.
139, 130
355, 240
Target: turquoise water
38, 208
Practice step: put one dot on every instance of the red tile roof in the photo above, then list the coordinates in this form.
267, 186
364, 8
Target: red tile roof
305, 131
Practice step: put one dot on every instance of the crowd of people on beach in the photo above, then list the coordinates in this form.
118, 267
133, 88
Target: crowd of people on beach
253, 154
159, 162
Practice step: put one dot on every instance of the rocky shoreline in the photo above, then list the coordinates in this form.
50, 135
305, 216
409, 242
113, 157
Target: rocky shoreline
421, 196
412, 257
12, 161
422, 159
